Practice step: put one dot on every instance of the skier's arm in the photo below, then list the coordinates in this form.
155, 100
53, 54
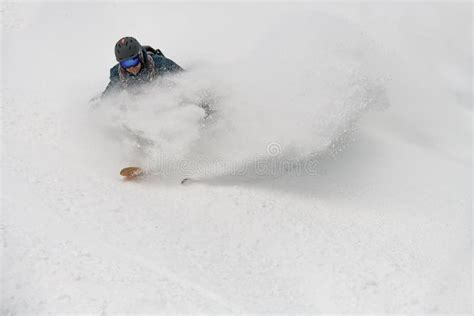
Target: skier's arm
113, 83
166, 65
172, 66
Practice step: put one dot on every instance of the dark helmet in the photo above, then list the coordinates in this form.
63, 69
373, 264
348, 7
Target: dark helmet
126, 48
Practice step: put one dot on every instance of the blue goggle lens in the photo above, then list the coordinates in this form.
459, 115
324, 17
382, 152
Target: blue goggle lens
131, 62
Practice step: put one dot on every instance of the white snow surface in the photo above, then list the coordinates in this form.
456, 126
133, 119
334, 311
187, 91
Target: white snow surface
335, 175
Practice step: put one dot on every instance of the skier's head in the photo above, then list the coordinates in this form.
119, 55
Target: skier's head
127, 53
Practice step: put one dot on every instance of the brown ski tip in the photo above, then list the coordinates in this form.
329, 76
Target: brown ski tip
131, 172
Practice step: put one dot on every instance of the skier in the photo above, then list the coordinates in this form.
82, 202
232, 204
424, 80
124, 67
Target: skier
137, 64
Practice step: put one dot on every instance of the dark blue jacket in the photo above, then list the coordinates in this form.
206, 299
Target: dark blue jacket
154, 65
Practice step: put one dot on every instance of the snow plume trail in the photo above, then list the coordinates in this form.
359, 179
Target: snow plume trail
293, 96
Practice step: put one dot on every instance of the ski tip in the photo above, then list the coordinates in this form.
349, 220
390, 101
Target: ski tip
186, 180
131, 172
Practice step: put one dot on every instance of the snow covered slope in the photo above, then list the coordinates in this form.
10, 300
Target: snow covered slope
349, 128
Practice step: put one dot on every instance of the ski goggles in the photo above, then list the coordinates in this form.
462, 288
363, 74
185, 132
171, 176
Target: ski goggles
131, 62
